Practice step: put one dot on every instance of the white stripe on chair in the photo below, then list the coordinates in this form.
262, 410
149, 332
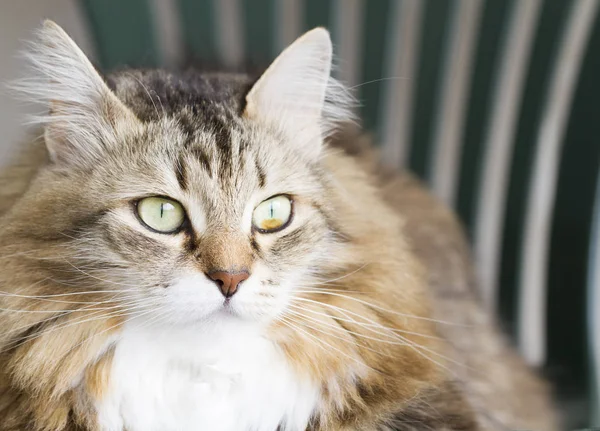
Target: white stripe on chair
541, 195
593, 306
400, 67
229, 31
289, 15
168, 31
348, 27
495, 170
450, 119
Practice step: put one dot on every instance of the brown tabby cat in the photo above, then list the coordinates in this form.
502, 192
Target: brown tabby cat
194, 252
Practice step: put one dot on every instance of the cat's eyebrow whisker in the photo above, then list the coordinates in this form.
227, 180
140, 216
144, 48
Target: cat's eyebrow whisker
390, 78
377, 307
147, 92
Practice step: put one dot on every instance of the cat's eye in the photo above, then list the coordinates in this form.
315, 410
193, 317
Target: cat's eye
273, 214
160, 214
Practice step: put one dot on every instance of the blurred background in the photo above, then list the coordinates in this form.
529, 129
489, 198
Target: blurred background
494, 103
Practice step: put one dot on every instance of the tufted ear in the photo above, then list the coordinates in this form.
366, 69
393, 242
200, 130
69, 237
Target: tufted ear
297, 94
83, 111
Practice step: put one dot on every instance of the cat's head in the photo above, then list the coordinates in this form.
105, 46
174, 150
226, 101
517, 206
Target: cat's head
189, 196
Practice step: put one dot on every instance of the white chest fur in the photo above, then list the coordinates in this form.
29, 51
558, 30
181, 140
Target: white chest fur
230, 378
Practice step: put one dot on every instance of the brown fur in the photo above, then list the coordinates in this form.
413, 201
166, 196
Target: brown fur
363, 328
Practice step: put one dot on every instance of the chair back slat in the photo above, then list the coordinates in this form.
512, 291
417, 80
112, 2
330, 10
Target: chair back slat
549, 33
498, 146
542, 189
451, 108
435, 34
571, 229
400, 68
495, 23
593, 316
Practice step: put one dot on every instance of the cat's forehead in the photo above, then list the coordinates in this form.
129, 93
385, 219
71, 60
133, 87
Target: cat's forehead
152, 94
195, 133
194, 116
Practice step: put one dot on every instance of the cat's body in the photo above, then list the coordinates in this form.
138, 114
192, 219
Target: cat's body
110, 326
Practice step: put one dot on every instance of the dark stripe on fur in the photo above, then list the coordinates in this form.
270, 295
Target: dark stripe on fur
201, 156
181, 173
440, 408
32, 333
331, 224
260, 172
287, 242
255, 247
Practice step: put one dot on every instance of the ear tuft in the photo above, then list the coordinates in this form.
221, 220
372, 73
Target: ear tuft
82, 110
297, 93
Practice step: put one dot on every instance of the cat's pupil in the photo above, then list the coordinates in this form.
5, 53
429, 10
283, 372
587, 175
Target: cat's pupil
271, 209
162, 210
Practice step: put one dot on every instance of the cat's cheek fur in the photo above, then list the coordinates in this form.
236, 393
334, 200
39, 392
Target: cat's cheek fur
225, 377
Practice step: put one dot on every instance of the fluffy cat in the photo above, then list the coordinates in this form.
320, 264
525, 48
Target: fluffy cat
188, 251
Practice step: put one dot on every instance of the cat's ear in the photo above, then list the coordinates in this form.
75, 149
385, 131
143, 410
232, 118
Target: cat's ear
297, 94
82, 111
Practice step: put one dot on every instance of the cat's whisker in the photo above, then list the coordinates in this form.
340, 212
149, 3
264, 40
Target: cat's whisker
299, 319
311, 289
132, 316
98, 278
94, 316
344, 330
323, 344
91, 304
63, 313
379, 308
343, 276
438, 354
42, 298
86, 292
369, 325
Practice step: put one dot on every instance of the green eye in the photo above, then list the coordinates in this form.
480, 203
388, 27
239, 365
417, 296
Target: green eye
273, 214
161, 214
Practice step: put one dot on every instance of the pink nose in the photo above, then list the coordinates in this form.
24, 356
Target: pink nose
228, 281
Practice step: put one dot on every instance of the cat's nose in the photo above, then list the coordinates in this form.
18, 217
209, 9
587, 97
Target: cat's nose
228, 281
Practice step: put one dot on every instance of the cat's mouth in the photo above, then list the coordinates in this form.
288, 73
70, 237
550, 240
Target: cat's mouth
228, 308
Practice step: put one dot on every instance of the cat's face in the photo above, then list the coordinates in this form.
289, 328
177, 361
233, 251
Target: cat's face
252, 205
205, 209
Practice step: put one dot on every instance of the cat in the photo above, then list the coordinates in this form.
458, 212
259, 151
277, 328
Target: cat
208, 251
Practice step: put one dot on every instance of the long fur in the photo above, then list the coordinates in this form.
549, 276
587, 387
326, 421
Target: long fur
110, 326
